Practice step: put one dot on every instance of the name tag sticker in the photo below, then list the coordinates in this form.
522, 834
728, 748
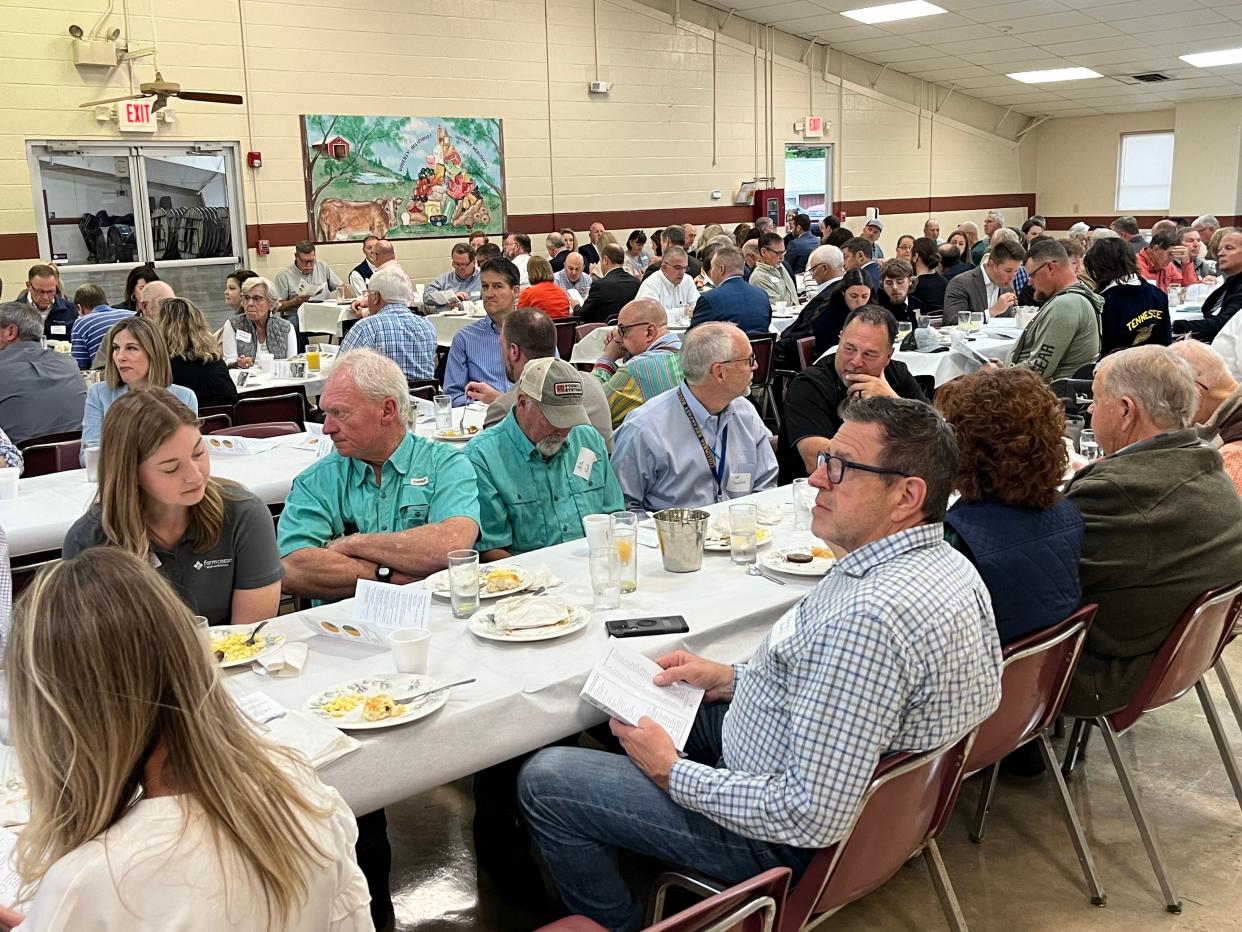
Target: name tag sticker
738, 482
58, 330
418, 480
783, 628
586, 461
242, 336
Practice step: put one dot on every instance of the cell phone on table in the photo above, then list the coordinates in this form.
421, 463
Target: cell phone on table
642, 627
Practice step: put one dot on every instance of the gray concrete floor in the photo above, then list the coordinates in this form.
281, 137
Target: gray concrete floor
1023, 878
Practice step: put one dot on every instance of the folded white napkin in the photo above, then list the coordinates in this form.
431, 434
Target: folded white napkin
530, 612
288, 661
317, 741
543, 576
769, 514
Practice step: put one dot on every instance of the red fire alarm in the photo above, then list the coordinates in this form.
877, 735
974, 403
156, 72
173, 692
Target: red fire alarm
264, 247
254, 159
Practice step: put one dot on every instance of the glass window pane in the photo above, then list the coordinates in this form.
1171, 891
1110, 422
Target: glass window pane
89, 207
188, 198
1145, 171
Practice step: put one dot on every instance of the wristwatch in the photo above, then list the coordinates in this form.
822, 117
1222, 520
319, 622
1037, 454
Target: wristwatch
383, 573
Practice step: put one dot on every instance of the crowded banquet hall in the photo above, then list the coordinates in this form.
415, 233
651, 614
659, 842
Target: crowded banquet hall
622, 465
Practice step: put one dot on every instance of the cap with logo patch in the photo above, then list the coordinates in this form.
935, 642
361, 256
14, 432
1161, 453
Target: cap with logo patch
557, 387
875, 222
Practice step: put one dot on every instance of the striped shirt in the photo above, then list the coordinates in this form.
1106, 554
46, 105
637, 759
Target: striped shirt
10, 456
442, 292
895, 650
402, 336
651, 372
89, 332
474, 356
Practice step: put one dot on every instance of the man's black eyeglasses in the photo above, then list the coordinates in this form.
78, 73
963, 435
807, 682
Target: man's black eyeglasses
837, 465
622, 328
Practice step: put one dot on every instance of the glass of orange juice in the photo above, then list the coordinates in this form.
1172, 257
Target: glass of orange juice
312, 360
625, 539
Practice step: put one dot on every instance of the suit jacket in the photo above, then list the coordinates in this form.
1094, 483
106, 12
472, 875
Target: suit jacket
736, 301
872, 271
558, 261
608, 295
968, 292
798, 250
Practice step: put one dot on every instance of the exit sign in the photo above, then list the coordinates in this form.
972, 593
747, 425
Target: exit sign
813, 127
135, 116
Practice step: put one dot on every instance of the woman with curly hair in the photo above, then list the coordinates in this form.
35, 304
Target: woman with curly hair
1011, 521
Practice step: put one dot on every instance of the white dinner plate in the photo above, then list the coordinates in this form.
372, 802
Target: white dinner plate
720, 544
394, 685
438, 583
483, 625
455, 435
775, 560
271, 642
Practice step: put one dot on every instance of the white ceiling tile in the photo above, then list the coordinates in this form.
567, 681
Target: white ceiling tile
1045, 37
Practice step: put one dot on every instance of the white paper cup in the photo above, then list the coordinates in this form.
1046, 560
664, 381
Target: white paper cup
410, 649
781, 306
8, 483
598, 531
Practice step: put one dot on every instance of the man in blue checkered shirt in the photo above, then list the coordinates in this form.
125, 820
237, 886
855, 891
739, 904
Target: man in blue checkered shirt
392, 329
895, 650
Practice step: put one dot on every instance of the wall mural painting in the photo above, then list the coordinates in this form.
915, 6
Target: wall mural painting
402, 177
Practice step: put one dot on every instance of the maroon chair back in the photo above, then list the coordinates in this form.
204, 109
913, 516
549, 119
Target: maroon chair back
426, 389
270, 429
908, 802
1036, 677
263, 409
42, 459
583, 329
806, 352
1187, 653
215, 424
566, 336
753, 905
764, 348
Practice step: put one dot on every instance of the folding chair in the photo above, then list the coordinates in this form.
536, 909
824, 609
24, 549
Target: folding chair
583, 329
806, 352
1037, 673
262, 409
902, 812
1191, 649
426, 389
764, 348
566, 337
751, 906
269, 429
215, 424
51, 453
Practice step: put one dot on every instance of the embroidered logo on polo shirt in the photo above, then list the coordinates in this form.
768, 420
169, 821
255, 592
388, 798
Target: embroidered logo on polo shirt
217, 564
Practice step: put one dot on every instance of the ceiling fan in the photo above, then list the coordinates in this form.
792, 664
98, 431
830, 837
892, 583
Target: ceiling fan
161, 90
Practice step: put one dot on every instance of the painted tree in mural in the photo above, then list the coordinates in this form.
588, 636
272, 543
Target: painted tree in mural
362, 133
472, 134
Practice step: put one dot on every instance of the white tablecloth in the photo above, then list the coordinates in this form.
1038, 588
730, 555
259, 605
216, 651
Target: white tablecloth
312, 384
323, 316
527, 694
447, 325
995, 343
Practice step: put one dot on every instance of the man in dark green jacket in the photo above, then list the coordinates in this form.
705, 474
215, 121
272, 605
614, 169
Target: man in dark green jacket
1065, 334
1163, 522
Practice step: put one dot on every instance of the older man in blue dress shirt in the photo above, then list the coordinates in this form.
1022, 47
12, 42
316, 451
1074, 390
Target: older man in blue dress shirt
895, 650
474, 355
702, 441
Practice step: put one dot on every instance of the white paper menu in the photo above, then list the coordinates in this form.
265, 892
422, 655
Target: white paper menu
621, 685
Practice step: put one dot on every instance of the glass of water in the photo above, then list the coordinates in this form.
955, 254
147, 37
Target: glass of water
743, 533
625, 539
1088, 446
605, 566
976, 320
444, 412
904, 329
802, 504
463, 571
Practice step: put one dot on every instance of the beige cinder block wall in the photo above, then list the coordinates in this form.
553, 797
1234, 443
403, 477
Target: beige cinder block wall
692, 109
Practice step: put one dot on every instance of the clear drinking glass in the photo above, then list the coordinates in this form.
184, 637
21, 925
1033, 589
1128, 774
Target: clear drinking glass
743, 533
625, 539
904, 328
802, 504
444, 412
1088, 446
463, 570
976, 320
605, 564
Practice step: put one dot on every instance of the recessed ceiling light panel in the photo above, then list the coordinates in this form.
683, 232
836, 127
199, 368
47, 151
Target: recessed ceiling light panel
1054, 74
891, 12
1213, 59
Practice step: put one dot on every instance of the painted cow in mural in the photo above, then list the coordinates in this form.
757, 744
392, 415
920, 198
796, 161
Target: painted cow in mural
338, 219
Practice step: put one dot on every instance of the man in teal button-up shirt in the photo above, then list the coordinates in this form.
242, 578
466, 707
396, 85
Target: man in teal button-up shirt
384, 504
543, 468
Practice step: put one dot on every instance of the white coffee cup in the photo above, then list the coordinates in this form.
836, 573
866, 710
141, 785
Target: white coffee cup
598, 530
410, 649
8, 483
781, 306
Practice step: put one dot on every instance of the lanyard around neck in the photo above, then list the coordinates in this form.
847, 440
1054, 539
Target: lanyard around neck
714, 466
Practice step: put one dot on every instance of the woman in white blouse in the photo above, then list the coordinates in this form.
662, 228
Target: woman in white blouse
154, 804
256, 329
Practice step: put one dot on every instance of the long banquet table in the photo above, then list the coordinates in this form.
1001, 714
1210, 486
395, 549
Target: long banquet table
526, 694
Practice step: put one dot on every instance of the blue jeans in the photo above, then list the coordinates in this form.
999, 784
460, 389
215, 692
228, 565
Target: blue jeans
581, 806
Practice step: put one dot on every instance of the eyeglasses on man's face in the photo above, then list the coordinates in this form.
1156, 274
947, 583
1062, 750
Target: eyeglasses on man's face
836, 467
749, 360
623, 329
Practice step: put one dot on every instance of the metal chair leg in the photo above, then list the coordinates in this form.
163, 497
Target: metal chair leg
1072, 748
1231, 694
1094, 887
944, 888
985, 803
1218, 733
1171, 902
